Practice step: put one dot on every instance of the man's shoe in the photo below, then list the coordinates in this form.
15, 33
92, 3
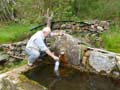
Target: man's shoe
30, 64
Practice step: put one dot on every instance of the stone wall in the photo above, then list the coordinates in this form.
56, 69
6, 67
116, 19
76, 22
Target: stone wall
71, 27
89, 31
12, 52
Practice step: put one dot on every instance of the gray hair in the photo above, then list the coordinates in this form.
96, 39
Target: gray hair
46, 29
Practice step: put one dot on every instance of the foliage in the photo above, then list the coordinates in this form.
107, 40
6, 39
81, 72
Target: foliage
97, 9
71, 9
112, 39
32, 11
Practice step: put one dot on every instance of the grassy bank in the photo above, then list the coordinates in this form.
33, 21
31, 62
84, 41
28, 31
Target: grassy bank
112, 39
14, 32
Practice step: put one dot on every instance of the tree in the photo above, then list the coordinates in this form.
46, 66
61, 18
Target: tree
7, 10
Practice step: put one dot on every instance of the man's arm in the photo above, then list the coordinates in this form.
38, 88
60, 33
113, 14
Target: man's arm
51, 54
40, 43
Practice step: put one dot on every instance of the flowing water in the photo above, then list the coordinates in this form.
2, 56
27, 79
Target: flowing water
71, 79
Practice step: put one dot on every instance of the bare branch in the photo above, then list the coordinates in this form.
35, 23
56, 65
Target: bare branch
48, 17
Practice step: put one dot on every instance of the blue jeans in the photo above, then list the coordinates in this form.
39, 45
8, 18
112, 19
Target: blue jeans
33, 54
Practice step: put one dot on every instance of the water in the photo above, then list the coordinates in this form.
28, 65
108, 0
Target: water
71, 79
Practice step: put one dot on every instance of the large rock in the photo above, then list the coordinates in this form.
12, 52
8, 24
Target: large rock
102, 61
69, 46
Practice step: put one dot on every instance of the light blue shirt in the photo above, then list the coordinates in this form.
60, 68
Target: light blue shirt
37, 42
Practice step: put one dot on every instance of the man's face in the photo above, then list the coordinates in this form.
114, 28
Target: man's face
46, 33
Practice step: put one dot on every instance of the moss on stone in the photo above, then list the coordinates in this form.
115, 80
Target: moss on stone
28, 84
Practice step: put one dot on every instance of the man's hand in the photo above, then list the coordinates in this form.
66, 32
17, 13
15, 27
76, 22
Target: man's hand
52, 54
56, 58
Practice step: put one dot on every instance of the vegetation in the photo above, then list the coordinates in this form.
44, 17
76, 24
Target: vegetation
30, 12
112, 39
97, 9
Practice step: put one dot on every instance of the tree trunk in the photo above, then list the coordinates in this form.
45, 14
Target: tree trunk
7, 10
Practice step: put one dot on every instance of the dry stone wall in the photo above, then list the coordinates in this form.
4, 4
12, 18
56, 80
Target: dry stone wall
12, 52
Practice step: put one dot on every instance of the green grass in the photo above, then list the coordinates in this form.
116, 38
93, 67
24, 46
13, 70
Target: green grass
14, 32
112, 39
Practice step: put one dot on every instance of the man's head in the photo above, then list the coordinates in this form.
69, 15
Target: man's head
46, 31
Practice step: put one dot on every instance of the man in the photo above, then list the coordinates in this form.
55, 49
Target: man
36, 44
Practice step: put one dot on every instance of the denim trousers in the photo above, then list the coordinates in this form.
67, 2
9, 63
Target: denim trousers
33, 54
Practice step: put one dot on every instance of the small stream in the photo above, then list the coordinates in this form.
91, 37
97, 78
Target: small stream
71, 79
